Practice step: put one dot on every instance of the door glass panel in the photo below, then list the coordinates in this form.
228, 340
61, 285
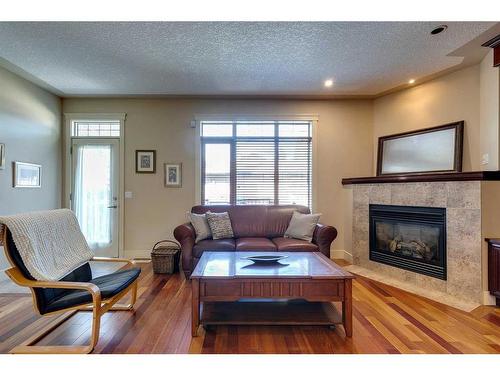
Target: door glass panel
93, 193
217, 167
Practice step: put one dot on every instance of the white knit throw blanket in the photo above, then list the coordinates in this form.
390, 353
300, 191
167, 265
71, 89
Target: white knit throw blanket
50, 243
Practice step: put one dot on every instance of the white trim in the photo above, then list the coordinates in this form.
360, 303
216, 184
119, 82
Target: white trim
314, 168
488, 299
197, 164
341, 254
132, 254
95, 116
250, 117
198, 118
68, 119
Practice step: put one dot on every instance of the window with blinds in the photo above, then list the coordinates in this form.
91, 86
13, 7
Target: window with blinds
95, 128
256, 162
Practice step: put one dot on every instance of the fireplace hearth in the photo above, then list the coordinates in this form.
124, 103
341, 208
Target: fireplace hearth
411, 238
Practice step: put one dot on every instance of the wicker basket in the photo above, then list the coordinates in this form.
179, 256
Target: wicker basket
166, 257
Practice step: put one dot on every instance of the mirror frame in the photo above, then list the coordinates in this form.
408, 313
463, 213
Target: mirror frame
458, 150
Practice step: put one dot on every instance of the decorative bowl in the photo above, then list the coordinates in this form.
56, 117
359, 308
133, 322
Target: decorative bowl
265, 258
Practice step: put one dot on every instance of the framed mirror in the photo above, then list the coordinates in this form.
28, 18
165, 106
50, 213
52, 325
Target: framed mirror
433, 150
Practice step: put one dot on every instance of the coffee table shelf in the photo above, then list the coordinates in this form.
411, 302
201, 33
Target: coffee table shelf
270, 313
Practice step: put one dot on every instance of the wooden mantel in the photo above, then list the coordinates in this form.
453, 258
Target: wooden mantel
425, 177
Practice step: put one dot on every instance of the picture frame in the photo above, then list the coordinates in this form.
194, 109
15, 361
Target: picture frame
437, 149
145, 161
2, 156
173, 175
27, 175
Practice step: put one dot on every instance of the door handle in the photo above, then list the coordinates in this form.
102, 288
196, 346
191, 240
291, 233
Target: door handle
115, 206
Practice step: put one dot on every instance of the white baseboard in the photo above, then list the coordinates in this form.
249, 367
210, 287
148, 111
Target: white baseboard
488, 299
341, 254
134, 254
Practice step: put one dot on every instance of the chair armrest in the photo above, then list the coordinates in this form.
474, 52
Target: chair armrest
16, 276
185, 235
117, 260
323, 237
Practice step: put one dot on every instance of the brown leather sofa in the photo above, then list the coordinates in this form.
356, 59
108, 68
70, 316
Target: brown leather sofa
256, 228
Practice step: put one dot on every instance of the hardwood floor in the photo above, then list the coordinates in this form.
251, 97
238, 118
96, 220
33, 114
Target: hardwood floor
386, 320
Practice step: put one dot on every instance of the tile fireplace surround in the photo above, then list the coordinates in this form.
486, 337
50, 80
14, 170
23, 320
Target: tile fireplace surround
466, 203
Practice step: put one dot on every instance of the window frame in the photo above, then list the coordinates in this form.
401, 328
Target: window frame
232, 141
75, 132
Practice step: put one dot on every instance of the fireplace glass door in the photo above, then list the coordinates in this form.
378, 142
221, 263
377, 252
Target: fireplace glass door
412, 238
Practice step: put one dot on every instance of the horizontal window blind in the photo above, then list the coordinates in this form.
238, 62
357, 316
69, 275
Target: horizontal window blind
255, 172
268, 162
294, 166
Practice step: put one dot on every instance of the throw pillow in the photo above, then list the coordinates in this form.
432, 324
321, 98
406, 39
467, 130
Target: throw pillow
200, 225
220, 225
302, 226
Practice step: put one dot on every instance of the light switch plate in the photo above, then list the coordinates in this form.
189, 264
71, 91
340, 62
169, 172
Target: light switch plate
128, 195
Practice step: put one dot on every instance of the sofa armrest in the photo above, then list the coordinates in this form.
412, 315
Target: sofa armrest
185, 235
323, 237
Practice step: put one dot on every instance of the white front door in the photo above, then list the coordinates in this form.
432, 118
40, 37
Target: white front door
95, 186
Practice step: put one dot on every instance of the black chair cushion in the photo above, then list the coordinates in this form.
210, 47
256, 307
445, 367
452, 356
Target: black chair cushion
109, 285
45, 296
53, 299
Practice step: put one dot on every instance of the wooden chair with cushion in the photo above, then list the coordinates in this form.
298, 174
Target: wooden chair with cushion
75, 292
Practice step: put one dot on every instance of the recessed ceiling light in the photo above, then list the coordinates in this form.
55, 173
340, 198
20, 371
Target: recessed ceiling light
439, 29
329, 83
411, 81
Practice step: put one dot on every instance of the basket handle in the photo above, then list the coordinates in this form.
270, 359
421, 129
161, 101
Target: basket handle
170, 241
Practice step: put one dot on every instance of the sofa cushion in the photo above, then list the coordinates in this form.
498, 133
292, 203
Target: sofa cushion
255, 244
200, 225
256, 220
292, 244
302, 226
226, 244
220, 225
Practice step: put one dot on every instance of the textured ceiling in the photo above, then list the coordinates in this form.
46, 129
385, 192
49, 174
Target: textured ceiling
230, 58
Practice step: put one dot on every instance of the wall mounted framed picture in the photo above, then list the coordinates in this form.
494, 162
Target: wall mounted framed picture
2, 156
27, 175
173, 175
438, 150
145, 161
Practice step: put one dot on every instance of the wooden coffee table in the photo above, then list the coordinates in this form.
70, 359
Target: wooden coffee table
228, 289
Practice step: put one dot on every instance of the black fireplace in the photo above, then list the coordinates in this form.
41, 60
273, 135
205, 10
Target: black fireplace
412, 238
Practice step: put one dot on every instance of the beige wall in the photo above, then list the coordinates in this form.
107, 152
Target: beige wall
490, 220
453, 97
30, 128
343, 144
489, 111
